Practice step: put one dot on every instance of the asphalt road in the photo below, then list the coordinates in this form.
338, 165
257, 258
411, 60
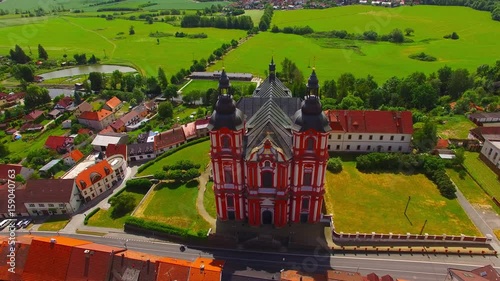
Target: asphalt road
266, 264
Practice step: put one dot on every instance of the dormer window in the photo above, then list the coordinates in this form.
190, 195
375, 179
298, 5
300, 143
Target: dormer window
95, 177
83, 184
310, 144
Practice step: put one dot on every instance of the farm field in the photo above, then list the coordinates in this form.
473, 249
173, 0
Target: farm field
376, 203
174, 204
197, 153
84, 4
332, 57
109, 41
204, 85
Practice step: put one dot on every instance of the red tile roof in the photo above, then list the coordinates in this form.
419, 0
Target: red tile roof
65, 102
108, 129
84, 131
131, 262
189, 130
487, 272
114, 149
84, 106
91, 265
22, 247
483, 133
76, 155
169, 138
28, 126
35, 114
20, 192
441, 144
93, 174
4, 170
203, 269
341, 275
95, 115
371, 121
58, 142
372, 277
113, 102
173, 269
49, 190
49, 261
201, 122
118, 124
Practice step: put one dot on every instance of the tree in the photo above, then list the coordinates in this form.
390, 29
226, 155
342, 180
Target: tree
454, 36
396, 36
131, 30
460, 81
444, 75
4, 150
162, 79
329, 89
334, 165
152, 87
166, 110
80, 58
351, 102
93, 59
122, 204
116, 77
24, 73
36, 96
96, 81
42, 54
459, 157
345, 85
425, 139
171, 91
425, 97
409, 31
128, 82
18, 55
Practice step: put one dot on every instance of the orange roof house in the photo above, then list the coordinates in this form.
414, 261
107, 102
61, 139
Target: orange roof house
22, 247
204, 269
49, 258
114, 149
173, 269
113, 104
72, 157
91, 262
95, 115
140, 266
93, 174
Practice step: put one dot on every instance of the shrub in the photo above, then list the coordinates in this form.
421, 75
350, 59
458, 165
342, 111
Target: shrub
422, 57
453, 36
182, 165
122, 204
334, 165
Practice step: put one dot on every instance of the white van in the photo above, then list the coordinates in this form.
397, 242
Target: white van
5, 223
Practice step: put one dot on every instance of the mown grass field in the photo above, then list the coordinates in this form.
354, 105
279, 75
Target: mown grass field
209, 200
332, 57
54, 224
454, 127
174, 204
84, 4
204, 85
482, 174
376, 203
197, 153
103, 39
103, 218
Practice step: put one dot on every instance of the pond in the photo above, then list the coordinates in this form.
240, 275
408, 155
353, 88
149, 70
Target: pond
86, 69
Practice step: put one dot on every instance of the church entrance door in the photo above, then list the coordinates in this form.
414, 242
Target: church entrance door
267, 217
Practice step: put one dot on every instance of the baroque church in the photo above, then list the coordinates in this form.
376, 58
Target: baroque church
269, 153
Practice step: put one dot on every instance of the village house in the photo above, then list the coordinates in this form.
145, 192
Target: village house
50, 197
55, 113
485, 273
141, 151
64, 104
189, 130
490, 154
60, 144
96, 120
117, 149
113, 104
72, 157
81, 108
31, 127
151, 106
169, 139
131, 118
485, 118
370, 131
484, 133
19, 170
20, 199
35, 116
118, 126
101, 141
10, 99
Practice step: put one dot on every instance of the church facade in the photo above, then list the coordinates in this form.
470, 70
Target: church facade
269, 153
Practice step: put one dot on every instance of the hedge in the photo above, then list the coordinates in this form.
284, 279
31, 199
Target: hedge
86, 220
159, 227
134, 183
170, 152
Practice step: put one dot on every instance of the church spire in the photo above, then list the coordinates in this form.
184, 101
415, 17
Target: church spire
272, 70
224, 83
313, 84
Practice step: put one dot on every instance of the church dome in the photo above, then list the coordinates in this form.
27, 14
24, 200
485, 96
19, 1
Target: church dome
224, 80
226, 114
312, 82
311, 106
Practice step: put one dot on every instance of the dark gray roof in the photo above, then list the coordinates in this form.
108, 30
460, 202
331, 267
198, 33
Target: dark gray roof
250, 105
140, 148
272, 88
226, 115
271, 122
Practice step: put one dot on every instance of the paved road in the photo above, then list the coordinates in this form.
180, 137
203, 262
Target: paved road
267, 264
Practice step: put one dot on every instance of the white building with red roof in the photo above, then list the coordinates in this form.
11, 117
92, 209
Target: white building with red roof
96, 120
370, 131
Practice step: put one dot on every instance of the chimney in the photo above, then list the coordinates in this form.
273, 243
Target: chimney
53, 240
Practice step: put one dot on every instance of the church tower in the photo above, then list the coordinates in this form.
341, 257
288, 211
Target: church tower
310, 136
227, 128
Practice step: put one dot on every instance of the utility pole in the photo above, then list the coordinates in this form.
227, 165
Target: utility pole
407, 203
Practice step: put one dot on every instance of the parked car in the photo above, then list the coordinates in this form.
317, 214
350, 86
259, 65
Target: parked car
27, 222
6, 223
19, 223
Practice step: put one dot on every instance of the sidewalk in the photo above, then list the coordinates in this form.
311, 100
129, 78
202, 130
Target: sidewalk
76, 221
203, 179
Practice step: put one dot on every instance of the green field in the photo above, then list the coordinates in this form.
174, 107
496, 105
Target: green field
376, 203
477, 44
11, 5
482, 174
204, 85
174, 204
456, 126
100, 37
197, 153
54, 224
103, 218
21, 148
209, 200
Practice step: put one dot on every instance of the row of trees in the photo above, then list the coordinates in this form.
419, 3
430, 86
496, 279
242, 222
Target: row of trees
483, 5
265, 20
230, 22
395, 36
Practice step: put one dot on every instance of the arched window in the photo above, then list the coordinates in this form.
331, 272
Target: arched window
95, 177
310, 143
225, 142
267, 179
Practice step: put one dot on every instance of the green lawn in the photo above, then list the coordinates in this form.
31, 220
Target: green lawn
99, 37
97, 104
185, 111
103, 218
376, 203
209, 200
54, 224
482, 174
197, 153
477, 45
204, 85
175, 204
457, 126
472, 191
